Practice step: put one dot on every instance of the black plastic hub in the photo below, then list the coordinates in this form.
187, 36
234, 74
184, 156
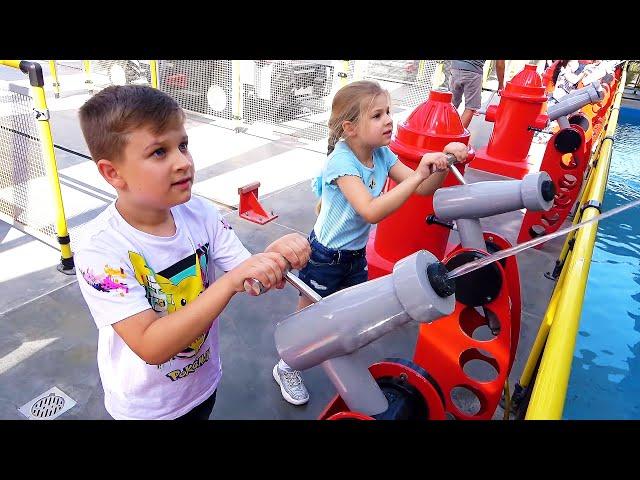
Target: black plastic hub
548, 190
581, 120
568, 140
438, 276
478, 287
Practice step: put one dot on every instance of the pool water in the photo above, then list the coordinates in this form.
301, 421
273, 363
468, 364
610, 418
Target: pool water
605, 374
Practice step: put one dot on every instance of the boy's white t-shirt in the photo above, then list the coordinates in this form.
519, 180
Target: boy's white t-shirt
123, 271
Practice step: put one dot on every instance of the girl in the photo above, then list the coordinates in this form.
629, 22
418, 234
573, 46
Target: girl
350, 186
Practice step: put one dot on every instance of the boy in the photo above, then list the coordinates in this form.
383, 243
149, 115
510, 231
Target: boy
145, 262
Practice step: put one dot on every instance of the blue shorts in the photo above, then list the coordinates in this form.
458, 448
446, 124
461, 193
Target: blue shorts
330, 270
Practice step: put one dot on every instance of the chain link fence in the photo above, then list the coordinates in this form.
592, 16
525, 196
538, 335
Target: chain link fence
278, 98
24, 187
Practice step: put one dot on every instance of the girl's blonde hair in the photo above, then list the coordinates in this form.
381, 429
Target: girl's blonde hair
349, 104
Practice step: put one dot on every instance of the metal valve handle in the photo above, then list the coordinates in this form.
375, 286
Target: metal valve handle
451, 161
254, 287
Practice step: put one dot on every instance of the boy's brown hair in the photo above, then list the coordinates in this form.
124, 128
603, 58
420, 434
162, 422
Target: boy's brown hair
112, 114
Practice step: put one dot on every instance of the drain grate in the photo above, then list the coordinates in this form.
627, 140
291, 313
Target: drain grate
47, 406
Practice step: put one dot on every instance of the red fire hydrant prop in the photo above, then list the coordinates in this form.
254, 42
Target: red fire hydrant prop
516, 117
429, 128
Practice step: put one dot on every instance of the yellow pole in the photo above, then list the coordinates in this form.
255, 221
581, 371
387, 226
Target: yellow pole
438, 76
46, 142
153, 66
550, 389
54, 74
543, 333
86, 65
11, 63
36, 80
421, 69
485, 72
344, 74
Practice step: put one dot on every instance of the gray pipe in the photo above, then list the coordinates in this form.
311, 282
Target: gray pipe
575, 100
483, 199
342, 323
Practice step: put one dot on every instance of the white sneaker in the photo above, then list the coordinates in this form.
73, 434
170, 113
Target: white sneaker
291, 385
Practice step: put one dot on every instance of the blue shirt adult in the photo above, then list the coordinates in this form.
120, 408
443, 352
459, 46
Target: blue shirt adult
339, 226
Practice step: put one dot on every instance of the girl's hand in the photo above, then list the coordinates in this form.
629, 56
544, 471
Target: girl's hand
460, 150
432, 162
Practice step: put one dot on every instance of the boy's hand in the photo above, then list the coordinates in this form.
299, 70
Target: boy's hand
432, 162
294, 247
268, 268
460, 150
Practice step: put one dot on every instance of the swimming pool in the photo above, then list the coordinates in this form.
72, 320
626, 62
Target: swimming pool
605, 374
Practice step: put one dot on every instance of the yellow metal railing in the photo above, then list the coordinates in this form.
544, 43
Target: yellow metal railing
86, 66
561, 321
153, 66
54, 75
41, 111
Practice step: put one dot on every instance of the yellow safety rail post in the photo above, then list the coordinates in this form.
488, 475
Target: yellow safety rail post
344, 74
422, 68
86, 66
153, 66
438, 76
54, 74
36, 79
550, 388
486, 68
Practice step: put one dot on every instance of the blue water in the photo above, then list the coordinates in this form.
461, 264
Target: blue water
605, 375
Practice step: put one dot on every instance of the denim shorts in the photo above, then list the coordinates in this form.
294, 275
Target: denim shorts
330, 270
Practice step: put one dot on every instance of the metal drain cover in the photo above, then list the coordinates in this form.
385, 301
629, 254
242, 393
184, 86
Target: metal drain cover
47, 406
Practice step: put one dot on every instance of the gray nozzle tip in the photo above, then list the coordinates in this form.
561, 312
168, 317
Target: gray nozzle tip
438, 276
548, 190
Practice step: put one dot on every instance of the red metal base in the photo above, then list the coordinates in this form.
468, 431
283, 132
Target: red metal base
511, 271
567, 173
250, 208
445, 346
485, 162
377, 265
338, 410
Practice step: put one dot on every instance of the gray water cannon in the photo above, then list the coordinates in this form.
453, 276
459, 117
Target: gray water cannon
574, 101
332, 331
466, 204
